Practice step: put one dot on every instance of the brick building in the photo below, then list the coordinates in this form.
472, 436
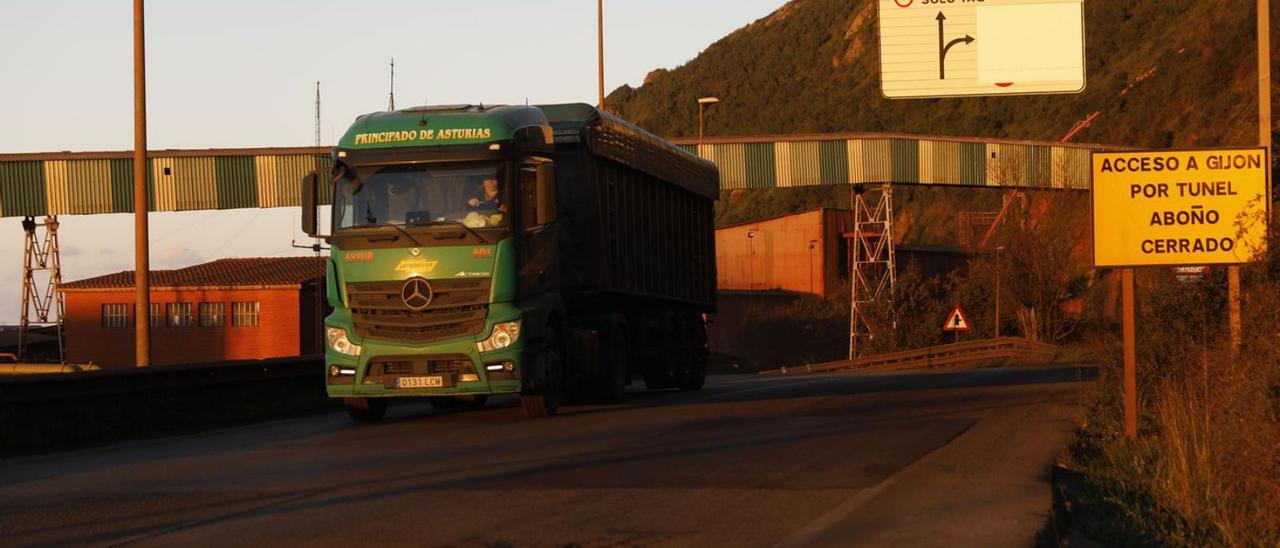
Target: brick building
226, 310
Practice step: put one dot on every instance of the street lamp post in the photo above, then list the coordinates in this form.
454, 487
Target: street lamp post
751, 260
703, 104
600, 47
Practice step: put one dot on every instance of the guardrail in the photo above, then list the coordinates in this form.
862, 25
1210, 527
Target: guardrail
62, 410
20, 369
950, 355
27, 388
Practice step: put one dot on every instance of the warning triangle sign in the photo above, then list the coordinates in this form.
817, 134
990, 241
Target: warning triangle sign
956, 321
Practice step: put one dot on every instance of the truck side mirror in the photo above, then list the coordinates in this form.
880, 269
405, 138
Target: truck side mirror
310, 190
546, 194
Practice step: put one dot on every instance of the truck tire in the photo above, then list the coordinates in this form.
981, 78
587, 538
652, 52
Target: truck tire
660, 369
611, 386
366, 409
695, 375
546, 402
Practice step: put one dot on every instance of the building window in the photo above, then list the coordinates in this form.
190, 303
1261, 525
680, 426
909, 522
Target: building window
115, 315
180, 315
157, 314
213, 314
244, 314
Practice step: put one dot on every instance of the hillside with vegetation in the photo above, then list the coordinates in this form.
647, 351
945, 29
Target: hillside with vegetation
1177, 73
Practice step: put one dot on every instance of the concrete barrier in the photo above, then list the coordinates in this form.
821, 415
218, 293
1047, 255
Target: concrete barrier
59, 411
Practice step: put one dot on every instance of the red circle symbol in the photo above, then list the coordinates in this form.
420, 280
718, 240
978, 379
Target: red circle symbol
903, 4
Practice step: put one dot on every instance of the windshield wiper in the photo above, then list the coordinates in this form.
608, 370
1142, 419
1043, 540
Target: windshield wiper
448, 223
406, 233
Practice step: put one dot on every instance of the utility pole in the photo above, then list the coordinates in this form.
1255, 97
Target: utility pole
600, 45
141, 242
1264, 139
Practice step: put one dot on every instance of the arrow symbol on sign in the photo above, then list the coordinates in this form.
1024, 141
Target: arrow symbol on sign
944, 46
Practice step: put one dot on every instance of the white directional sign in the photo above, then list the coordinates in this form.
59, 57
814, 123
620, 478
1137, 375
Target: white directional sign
957, 48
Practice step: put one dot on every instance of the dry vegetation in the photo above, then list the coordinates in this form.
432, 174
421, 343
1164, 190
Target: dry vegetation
1206, 469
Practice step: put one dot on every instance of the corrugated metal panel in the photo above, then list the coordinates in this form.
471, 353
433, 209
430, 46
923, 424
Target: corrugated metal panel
906, 161
939, 162
798, 164
22, 188
195, 183
1007, 165
761, 170
89, 186
289, 173
121, 185
834, 159
164, 184
876, 161
1078, 169
973, 164
732, 161
55, 174
237, 187
264, 168
1039, 166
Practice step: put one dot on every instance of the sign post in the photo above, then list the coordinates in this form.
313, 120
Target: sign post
1175, 208
989, 47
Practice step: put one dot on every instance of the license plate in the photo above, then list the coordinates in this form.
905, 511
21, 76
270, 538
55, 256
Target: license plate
420, 382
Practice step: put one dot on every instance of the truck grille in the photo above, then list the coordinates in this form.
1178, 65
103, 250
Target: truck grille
458, 308
385, 371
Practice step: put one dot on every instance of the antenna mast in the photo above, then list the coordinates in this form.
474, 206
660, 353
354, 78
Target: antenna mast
391, 103
317, 113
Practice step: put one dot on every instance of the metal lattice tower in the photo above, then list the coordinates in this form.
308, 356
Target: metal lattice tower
391, 101
873, 275
41, 268
317, 113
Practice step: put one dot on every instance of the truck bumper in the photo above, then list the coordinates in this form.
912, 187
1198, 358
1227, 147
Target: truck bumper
448, 368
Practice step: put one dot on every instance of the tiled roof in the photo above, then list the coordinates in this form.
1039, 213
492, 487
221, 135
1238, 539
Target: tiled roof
279, 271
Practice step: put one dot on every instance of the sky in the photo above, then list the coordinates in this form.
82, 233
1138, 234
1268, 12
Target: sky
237, 73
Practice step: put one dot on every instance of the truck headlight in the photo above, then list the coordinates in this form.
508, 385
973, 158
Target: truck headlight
504, 335
339, 342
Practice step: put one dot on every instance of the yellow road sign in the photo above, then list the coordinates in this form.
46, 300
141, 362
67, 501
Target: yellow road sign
954, 48
1198, 207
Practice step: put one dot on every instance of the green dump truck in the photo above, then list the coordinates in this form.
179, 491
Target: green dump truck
555, 252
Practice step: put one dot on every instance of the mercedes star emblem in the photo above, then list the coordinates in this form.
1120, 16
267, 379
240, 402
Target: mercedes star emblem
417, 294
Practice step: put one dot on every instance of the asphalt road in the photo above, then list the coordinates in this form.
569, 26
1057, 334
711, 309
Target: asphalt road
956, 459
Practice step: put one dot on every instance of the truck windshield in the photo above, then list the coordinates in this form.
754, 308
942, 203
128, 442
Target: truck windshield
418, 195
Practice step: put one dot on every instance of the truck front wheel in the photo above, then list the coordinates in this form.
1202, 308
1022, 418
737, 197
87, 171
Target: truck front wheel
366, 409
546, 401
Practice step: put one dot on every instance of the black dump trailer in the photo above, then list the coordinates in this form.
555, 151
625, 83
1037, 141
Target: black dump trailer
633, 251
